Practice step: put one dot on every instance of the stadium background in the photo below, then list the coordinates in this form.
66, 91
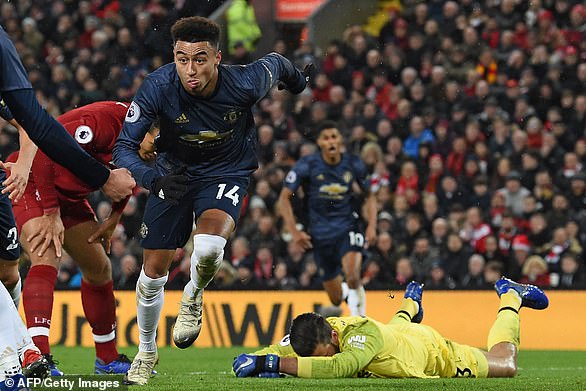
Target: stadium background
465, 93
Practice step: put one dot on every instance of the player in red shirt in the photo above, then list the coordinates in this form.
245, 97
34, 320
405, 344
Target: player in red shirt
54, 208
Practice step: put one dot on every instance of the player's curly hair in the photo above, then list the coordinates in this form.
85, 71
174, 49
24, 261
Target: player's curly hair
196, 29
307, 331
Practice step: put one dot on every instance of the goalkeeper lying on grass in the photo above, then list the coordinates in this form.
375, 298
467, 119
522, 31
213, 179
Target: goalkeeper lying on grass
363, 347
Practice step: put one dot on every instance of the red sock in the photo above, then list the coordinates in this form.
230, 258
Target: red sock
100, 311
37, 298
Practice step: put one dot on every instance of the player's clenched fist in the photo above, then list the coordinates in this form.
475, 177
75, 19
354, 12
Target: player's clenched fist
171, 187
119, 184
249, 365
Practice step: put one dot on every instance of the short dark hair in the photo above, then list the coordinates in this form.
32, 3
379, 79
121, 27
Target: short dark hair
307, 331
196, 29
326, 125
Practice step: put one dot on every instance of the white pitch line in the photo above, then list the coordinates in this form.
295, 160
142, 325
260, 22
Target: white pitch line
207, 373
554, 369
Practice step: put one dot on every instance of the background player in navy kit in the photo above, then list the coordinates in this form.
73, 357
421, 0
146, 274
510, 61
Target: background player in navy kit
206, 152
328, 177
13, 189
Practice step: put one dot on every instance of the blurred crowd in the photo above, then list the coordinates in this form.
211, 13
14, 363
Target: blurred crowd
470, 116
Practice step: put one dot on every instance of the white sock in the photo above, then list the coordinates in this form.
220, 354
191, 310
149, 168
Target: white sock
206, 259
150, 296
345, 291
10, 324
15, 293
357, 301
189, 289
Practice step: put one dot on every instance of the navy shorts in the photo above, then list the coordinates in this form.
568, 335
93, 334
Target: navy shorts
9, 246
328, 253
167, 226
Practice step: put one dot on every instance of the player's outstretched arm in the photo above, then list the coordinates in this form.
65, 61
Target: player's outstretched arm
19, 171
371, 215
52, 138
289, 222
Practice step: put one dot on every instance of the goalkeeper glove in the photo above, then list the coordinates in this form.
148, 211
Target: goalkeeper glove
247, 365
171, 187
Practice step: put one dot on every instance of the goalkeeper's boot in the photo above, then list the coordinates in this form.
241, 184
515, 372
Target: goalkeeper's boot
531, 296
142, 368
53, 365
188, 323
119, 366
414, 291
35, 365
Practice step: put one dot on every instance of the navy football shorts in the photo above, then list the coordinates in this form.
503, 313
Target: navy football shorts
328, 253
9, 246
167, 226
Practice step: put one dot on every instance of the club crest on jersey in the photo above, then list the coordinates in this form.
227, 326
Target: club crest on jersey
144, 230
133, 113
347, 177
232, 115
83, 134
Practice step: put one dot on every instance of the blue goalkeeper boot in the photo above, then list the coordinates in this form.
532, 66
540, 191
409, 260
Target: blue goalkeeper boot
119, 366
414, 291
53, 365
531, 296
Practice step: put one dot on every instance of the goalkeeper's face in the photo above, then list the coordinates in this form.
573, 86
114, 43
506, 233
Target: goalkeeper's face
327, 349
197, 66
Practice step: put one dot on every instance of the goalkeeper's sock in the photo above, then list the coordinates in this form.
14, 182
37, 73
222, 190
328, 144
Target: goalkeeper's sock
357, 301
506, 327
99, 307
150, 297
408, 309
37, 297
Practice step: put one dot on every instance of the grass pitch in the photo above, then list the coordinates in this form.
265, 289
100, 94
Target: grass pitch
210, 369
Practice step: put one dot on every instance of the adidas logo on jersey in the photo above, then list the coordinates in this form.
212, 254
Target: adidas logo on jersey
182, 119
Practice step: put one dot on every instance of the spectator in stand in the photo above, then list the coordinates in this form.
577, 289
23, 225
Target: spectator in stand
404, 272
571, 275
514, 193
129, 273
474, 278
493, 271
535, 272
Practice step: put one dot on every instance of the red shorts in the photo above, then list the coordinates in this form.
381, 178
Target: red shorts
72, 212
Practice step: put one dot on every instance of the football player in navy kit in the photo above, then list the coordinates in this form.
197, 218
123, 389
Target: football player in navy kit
205, 153
328, 177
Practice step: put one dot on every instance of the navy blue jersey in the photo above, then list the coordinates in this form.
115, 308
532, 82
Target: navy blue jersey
213, 136
329, 192
5, 111
43, 129
13, 76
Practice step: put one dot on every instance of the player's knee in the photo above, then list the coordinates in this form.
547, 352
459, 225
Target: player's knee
353, 281
147, 288
98, 274
9, 276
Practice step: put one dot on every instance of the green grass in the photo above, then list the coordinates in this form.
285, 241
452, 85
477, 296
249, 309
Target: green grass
210, 369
